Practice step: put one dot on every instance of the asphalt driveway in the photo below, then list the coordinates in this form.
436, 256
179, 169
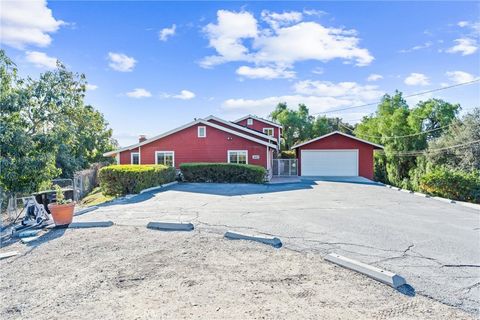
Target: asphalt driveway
434, 245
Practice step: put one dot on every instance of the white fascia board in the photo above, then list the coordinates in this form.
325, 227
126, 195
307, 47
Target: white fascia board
259, 119
332, 133
232, 124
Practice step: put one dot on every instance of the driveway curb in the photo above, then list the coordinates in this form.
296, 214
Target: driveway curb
387, 277
170, 226
272, 241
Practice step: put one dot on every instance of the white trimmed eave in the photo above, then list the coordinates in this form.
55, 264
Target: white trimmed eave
133, 146
232, 124
336, 132
261, 120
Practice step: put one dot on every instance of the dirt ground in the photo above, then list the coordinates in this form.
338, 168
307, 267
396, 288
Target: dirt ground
126, 272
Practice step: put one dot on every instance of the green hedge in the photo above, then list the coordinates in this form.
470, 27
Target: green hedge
118, 180
222, 172
452, 184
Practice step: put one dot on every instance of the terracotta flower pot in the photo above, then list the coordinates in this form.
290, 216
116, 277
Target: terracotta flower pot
62, 214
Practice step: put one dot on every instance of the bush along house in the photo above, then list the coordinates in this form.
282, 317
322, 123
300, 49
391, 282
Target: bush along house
208, 140
252, 140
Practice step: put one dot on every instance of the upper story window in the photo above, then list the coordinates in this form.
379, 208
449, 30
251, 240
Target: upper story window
268, 131
202, 131
165, 157
249, 121
135, 158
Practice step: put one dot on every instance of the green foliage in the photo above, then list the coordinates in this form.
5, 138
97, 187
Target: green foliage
452, 184
118, 180
222, 172
45, 128
299, 125
399, 129
287, 154
59, 196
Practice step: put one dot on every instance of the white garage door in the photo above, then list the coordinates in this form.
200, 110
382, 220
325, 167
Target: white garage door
329, 162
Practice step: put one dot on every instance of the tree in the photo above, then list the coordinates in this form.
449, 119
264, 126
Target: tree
465, 158
45, 128
399, 129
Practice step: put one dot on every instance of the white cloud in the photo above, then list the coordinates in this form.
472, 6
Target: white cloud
425, 45
340, 89
165, 33
289, 40
91, 87
416, 79
41, 59
24, 23
226, 36
465, 46
183, 95
121, 62
276, 20
459, 76
318, 70
139, 93
374, 77
319, 96
462, 24
313, 12
264, 72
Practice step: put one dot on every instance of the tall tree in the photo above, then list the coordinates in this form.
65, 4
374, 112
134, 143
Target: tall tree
45, 128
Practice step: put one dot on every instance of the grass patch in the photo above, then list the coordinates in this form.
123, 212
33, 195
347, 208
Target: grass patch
94, 198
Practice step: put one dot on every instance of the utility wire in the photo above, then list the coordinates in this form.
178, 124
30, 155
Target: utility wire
407, 96
422, 152
403, 136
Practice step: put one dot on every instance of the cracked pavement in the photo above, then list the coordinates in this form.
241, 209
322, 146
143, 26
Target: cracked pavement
434, 245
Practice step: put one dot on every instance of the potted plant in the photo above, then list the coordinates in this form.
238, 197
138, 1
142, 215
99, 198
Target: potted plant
61, 210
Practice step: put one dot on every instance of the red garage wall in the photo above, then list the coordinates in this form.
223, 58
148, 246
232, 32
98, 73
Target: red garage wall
259, 125
189, 148
338, 141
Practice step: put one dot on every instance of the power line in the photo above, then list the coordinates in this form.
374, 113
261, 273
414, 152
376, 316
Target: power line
407, 96
403, 136
422, 152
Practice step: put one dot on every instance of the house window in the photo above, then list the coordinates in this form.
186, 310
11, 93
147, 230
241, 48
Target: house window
202, 132
249, 122
165, 157
135, 158
268, 131
238, 156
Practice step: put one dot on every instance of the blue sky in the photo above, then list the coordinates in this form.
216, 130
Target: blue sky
153, 66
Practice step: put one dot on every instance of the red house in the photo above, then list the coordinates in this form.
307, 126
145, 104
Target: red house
262, 125
205, 140
336, 154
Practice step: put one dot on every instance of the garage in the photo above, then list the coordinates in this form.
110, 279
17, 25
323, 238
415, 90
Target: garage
336, 154
329, 163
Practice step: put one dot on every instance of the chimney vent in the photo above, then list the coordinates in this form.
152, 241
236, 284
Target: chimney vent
142, 138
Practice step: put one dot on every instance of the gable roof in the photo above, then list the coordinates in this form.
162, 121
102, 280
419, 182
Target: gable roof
260, 119
198, 121
340, 133
246, 129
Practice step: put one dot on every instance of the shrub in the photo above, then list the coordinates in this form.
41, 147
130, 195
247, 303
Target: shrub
222, 172
452, 184
127, 179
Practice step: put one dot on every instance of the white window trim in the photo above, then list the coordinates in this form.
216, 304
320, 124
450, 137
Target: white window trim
249, 122
204, 130
165, 151
230, 151
131, 157
268, 128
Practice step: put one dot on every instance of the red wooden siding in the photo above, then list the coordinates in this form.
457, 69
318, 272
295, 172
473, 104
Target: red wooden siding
237, 130
189, 148
337, 141
125, 156
259, 125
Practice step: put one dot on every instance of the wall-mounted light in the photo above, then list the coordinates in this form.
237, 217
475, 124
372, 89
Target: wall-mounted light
229, 138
